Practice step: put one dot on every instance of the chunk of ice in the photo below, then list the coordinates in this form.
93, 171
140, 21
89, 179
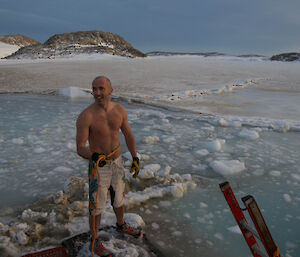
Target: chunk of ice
235, 229
215, 145
17, 141
287, 198
202, 152
249, 134
227, 167
151, 139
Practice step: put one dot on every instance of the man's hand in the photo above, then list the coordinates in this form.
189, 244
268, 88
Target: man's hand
97, 156
135, 166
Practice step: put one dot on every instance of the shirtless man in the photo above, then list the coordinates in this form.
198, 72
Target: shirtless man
99, 124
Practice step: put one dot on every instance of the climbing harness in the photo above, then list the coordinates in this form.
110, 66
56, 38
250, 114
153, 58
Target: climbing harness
261, 230
95, 171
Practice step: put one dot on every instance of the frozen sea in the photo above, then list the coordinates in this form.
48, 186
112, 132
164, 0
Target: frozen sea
207, 119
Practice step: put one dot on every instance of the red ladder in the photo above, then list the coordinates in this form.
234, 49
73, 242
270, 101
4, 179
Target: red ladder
261, 230
53, 252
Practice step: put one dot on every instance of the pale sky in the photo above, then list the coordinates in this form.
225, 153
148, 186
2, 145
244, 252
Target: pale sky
228, 26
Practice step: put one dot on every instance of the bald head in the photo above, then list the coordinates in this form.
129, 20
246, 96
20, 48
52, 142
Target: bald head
103, 79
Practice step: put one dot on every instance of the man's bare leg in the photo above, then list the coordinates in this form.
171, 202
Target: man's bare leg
124, 227
96, 225
120, 215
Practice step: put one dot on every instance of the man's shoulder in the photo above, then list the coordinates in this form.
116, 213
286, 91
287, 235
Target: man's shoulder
118, 107
86, 113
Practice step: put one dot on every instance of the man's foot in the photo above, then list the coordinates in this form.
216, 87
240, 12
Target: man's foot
126, 229
100, 250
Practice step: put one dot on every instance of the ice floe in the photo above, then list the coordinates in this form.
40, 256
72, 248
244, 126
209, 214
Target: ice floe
227, 167
249, 134
75, 92
235, 229
214, 145
151, 139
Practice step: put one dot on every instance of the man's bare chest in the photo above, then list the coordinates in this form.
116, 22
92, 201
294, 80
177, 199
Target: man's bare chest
106, 122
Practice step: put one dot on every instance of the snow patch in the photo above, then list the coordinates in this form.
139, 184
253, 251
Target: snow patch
7, 49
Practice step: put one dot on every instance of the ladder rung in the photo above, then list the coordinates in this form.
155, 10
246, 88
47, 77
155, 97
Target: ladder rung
259, 251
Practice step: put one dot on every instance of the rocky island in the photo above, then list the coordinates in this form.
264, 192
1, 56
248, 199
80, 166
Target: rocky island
18, 40
286, 57
81, 42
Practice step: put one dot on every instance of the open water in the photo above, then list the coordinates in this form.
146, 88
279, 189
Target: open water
38, 154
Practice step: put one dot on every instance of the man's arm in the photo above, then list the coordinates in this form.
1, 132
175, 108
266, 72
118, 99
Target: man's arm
127, 132
82, 134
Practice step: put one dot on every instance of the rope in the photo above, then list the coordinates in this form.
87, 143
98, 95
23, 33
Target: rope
98, 183
276, 253
236, 205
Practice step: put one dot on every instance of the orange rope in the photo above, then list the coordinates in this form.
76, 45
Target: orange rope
276, 253
98, 183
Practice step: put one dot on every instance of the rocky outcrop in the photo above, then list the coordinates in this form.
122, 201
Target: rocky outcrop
161, 53
208, 54
18, 40
82, 42
286, 57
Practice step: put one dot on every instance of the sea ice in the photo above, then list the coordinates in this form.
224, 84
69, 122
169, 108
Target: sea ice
199, 167
149, 170
155, 226
71, 146
227, 167
29, 215
295, 176
219, 236
62, 169
202, 152
164, 172
235, 229
220, 122
249, 134
176, 233
215, 145
275, 173
22, 238
74, 92
3, 171
18, 141
187, 215
203, 205
287, 198
198, 241
187, 177
39, 150
151, 139
127, 156
169, 140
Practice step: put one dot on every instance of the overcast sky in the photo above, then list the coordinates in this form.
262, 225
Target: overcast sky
229, 26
